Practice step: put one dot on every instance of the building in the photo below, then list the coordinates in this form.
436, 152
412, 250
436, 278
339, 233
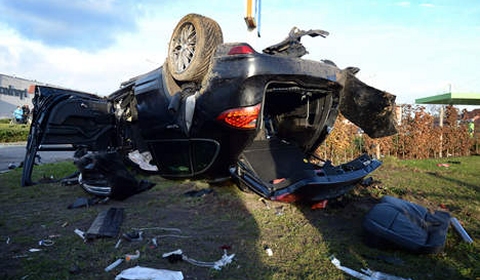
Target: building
13, 93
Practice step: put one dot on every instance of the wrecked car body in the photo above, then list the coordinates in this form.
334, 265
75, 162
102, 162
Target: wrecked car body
217, 111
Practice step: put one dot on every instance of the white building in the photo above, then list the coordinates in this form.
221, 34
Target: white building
13, 93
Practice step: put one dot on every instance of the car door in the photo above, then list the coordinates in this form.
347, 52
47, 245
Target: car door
65, 119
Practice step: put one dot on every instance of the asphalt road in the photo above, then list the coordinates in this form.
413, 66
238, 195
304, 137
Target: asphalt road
14, 154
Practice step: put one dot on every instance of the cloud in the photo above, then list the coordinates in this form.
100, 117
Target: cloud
84, 24
403, 4
427, 5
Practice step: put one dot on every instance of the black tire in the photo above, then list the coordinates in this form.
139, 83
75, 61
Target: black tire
191, 47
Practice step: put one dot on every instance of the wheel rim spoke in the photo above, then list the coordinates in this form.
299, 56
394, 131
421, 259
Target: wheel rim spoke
184, 48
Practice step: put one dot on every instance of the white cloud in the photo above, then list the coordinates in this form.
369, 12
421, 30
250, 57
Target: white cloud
403, 4
427, 5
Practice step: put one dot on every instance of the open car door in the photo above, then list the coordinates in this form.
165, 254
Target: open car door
65, 120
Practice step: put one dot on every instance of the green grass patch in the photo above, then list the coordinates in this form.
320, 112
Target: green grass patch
301, 239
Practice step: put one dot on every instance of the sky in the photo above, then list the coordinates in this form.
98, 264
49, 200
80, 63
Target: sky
411, 49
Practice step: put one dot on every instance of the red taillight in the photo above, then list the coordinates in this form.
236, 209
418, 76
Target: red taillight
245, 117
243, 49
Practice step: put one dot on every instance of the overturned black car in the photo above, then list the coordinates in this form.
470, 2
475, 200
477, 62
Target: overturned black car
217, 111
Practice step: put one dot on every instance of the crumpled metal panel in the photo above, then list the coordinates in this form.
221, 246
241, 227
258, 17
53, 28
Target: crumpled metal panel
371, 109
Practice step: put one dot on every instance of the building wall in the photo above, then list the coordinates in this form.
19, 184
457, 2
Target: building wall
13, 93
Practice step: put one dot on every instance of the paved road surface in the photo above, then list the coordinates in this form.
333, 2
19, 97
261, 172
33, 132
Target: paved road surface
15, 153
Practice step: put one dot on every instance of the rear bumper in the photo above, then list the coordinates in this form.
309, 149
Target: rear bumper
310, 185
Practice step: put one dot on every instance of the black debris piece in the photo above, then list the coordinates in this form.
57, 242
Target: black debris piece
104, 173
133, 236
107, 224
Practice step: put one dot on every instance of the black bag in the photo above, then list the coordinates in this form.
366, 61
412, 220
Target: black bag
396, 223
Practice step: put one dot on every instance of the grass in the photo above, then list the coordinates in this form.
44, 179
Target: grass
301, 239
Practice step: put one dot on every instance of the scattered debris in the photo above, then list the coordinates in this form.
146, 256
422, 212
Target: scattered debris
137, 234
261, 199
279, 211
47, 179
80, 233
131, 257
443, 165
178, 255
172, 235
34, 250
460, 230
146, 273
154, 242
367, 273
133, 236
104, 174
107, 224
8, 240
268, 250
46, 242
113, 265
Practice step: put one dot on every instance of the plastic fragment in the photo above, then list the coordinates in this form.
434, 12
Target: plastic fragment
458, 227
154, 242
131, 257
113, 265
269, 251
80, 233
146, 273
367, 273
347, 270
46, 242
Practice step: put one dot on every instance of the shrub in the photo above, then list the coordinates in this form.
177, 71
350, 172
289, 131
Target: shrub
13, 132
